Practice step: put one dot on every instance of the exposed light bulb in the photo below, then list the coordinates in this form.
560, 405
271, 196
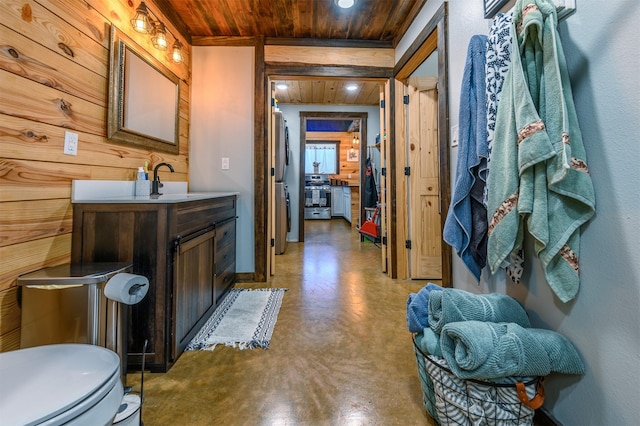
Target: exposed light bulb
140, 21
351, 87
176, 52
159, 38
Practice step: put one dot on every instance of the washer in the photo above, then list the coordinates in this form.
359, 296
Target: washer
71, 384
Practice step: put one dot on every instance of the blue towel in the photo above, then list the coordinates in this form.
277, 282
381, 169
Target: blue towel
452, 305
417, 308
466, 225
484, 350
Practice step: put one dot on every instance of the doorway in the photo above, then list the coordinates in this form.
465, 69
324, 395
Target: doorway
432, 38
348, 170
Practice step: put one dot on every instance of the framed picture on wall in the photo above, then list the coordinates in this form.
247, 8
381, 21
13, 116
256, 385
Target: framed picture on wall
353, 155
491, 7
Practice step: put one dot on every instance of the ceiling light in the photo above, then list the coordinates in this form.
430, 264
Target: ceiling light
345, 4
282, 86
351, 87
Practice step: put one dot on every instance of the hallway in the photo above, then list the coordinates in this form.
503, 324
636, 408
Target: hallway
340, 354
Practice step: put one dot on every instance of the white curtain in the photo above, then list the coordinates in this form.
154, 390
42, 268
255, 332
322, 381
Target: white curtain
325, 154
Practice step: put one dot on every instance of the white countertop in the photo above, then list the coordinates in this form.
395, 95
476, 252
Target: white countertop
123, 192
164, 198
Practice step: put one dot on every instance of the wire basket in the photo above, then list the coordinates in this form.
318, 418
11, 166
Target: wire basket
454, 401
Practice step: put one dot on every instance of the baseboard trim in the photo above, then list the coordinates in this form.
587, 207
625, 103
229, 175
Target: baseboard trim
245, 277
545, 418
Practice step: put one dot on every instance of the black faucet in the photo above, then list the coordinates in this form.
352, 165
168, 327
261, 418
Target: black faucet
156, 184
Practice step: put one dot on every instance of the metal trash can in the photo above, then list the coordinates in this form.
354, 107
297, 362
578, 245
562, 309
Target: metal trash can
66, 304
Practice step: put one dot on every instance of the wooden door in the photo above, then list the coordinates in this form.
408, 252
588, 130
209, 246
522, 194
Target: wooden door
271, 215
424, 212
384, 95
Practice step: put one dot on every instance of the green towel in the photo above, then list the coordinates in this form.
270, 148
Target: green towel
452, 305
539, 172
484, 350
429, 342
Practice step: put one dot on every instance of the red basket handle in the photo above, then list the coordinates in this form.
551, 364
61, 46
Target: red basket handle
535, 402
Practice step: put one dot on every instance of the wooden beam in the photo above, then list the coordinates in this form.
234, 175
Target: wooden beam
359, 57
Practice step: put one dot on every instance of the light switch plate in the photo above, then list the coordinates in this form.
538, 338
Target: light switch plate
454, 136
225, 163
70, 143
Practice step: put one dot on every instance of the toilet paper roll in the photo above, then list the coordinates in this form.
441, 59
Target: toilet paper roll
126, 288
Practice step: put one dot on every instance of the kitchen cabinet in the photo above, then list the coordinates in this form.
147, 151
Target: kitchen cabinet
346, 199
337, 203
187, 251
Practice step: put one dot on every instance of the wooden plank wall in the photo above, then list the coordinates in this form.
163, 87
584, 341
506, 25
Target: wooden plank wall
54, 62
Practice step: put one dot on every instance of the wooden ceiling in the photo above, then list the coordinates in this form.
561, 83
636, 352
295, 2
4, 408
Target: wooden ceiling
328, 92
372, 20
376, 23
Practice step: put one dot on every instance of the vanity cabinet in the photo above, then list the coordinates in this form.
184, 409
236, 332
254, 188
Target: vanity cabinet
187, 251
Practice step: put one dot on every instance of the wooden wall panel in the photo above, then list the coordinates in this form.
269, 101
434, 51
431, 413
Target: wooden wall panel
29, 256
30, 140
46, 28
9, 312
28, 99
54, 62
33, 180
22, 57
23, 221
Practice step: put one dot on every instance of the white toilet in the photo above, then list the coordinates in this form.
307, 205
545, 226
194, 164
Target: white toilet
70, 384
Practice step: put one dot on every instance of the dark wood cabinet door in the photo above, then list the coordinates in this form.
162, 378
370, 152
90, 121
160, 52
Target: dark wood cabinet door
193, 292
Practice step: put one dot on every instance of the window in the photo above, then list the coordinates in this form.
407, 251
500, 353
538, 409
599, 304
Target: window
322, 158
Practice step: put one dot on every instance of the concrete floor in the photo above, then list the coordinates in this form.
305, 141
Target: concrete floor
340, 354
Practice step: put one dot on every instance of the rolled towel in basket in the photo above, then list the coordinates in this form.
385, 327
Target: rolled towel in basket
484, 350
418, 308
430, 342
452, 305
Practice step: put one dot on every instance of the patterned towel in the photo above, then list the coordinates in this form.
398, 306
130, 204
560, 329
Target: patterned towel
539, 179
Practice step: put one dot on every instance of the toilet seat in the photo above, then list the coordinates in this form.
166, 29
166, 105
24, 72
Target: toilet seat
60, 384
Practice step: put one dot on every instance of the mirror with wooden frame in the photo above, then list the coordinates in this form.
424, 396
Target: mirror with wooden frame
144, 98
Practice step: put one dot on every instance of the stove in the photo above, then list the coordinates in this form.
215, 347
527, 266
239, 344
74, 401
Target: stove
317, 200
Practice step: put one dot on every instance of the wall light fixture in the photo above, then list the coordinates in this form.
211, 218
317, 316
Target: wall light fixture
144, 22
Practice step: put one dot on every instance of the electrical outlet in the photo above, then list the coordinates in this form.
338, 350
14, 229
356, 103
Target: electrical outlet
70, 143
225, 163
454, 135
